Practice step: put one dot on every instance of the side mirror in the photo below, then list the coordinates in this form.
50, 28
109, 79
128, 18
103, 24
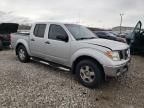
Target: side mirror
62, 38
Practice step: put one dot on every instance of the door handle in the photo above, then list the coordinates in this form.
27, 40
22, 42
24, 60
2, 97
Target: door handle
47, 42
32, 39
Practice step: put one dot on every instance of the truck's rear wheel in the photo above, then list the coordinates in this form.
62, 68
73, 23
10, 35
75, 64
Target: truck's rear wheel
22, 54
89, 73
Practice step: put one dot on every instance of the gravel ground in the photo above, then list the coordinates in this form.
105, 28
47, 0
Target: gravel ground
35, 85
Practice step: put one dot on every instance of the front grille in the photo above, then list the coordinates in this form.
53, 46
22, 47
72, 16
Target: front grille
124, 54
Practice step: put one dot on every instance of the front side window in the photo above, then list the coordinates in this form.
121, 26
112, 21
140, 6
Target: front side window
56, 30
39, 30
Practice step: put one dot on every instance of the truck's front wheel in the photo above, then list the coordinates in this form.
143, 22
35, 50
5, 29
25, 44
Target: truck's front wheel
22, 54
89, 73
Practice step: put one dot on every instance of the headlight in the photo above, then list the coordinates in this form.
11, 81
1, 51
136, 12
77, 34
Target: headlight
113, 55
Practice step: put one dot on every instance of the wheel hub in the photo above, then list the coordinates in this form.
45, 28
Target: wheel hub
22, 54
87, 74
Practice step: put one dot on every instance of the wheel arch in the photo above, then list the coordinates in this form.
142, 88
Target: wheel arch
19, 44
83, 57
23, 44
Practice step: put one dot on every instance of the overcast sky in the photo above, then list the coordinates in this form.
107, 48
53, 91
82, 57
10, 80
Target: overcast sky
96, 13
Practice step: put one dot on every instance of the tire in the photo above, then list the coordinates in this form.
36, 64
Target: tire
1, 45
89, 77
22, 54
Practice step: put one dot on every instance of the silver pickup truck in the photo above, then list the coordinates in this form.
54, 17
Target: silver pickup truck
91, 59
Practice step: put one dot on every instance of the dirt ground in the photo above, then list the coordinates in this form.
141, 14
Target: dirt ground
35, 85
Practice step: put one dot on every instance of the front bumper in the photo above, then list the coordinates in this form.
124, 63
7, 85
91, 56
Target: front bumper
114, 71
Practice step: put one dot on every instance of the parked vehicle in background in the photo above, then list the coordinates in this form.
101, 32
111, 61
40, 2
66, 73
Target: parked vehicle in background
5, 30
4, 40
75, 47
136, 39
109, 35
122, 35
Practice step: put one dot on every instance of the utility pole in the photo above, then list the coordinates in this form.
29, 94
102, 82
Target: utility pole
121, 15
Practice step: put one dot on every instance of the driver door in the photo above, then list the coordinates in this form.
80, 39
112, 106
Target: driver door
57, 51
136, 39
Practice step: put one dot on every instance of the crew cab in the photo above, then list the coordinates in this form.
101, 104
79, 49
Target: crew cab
73, 46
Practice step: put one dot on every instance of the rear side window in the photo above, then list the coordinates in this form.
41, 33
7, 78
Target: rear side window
39, 30
56, 30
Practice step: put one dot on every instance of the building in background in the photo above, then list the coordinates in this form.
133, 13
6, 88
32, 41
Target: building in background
123, 29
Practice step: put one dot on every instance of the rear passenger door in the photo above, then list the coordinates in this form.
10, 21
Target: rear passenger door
57, 50
37, 40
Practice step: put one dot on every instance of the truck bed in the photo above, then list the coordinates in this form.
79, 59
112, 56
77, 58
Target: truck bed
17, 36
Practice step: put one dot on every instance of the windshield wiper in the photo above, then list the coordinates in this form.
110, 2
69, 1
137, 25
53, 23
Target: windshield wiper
86, 38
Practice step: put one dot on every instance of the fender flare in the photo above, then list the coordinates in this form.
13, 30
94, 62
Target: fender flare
24, 43
93, 53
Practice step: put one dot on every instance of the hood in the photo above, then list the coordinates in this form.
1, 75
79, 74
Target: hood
110, 44
8, 28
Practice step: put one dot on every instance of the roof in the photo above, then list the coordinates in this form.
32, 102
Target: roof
53, 23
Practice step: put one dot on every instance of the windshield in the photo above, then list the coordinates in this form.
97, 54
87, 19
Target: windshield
79, 32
